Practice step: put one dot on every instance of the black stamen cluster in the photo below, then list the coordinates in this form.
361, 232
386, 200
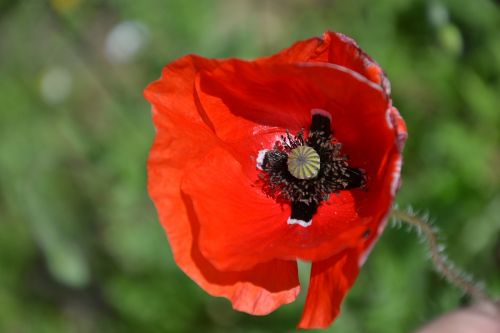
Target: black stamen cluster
334, 173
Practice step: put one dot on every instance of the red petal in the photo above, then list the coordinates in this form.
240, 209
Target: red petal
344, 51
283, 95
249, 290
238, 223
399, 128
272, 95
240, 227
334, 48
173, 94
266, 95
240, 98
330, 281
183, 136
301, 51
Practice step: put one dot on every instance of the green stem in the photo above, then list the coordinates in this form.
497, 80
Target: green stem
441, 263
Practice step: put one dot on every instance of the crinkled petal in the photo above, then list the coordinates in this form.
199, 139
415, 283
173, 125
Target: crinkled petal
334, 48
399, 128
173, 95
257, 93
282, 95
239, 225
339, 49
265, 95
183, 136
249, 290
330, 281
332, 278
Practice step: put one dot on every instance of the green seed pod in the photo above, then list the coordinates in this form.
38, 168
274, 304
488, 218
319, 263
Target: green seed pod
303, 162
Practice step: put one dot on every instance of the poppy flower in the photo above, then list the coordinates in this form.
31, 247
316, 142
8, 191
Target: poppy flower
257, 164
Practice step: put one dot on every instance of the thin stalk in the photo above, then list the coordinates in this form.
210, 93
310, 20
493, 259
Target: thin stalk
446, 268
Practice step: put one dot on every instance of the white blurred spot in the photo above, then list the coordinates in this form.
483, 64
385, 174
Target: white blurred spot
125, 41
437, 14
56, 85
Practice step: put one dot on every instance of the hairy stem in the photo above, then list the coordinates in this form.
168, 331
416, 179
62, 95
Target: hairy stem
441, 263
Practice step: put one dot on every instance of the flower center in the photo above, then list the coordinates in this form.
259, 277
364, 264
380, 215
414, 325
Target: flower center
304, 172
303, 162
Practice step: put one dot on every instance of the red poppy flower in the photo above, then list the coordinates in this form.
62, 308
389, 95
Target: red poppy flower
256, 164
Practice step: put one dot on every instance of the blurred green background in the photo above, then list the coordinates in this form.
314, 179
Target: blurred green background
81, 249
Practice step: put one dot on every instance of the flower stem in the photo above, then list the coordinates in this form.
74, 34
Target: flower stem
446, 268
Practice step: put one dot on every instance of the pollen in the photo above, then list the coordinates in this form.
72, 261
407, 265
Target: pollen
303, 162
